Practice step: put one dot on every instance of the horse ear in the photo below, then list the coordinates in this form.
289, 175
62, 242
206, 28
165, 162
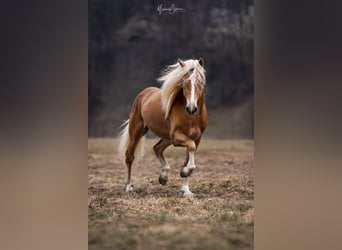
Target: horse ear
181, 62
201, 61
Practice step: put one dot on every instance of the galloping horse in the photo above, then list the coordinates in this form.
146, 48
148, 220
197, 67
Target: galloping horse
176, 113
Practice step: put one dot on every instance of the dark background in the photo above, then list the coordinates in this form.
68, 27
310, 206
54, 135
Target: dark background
129, 44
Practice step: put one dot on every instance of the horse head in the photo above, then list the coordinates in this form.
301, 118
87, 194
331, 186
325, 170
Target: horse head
192, 83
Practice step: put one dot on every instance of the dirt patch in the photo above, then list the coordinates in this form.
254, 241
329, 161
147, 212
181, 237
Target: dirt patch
220, 215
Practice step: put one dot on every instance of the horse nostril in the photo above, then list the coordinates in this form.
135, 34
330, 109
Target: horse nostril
194, 111
190, 111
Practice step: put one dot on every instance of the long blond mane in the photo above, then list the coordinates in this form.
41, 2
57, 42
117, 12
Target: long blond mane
171, 81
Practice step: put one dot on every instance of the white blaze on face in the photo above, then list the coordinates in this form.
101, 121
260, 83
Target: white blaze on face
193, 102
192, 97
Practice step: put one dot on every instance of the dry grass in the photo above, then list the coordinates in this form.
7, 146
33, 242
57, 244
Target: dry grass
219, 216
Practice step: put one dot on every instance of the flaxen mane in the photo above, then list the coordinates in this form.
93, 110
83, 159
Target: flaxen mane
171, 81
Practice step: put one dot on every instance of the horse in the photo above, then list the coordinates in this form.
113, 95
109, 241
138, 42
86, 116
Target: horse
176, 113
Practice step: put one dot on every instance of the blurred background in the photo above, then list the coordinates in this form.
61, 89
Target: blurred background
130, 43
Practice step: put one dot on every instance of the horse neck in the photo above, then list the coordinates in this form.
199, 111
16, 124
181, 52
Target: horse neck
201, 102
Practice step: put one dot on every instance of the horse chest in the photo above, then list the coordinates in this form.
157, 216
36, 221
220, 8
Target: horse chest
192, 129
194, 132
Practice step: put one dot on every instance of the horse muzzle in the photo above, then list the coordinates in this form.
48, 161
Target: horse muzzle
191, 110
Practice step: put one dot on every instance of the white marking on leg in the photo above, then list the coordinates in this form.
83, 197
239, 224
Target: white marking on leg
185, 188
129, 187
165, 168
191, 163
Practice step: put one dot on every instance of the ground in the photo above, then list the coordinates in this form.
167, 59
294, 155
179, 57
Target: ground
220, 215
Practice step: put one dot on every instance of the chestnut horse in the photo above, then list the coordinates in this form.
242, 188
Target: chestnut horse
176, 113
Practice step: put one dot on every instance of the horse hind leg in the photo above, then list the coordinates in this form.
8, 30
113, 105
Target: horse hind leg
159, 149
131, 145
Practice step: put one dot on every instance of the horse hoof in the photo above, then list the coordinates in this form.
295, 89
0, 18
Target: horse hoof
187, 193
185, 174
129, 187
182, 174
162, 180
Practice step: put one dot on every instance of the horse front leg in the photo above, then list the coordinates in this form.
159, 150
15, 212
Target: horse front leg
185, 188
190, 166
180, 139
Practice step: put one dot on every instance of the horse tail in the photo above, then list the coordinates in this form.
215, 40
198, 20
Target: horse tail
139, 150
124, 140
